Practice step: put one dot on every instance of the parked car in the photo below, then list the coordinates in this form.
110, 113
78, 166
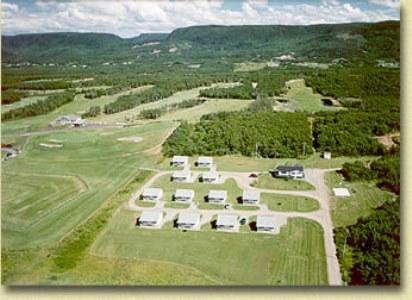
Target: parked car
253, 175
242, 221
227, 206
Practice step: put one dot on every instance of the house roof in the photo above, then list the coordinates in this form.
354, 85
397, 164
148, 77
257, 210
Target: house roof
188, 218
151, 216
152, 192
289, 168
341, 192
179, 158
68, 117
205, 159
184, 193
226, 220
217, 194
210, 174
270, 221
251, 194
184, 173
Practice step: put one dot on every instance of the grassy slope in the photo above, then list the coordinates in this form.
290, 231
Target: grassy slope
295, 256
266, 181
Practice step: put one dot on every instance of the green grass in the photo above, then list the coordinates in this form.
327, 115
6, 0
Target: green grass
294, 257
176, 205
289, 203
146, 203
245, 207
267, 181
210, 206
365, 197
23, 102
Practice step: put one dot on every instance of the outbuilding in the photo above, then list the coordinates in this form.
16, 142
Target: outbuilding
204, 161
295, 172
270, 224
179, 161
181, 176
341, 192
250, 197
188, 220
152, 219
210, 177
327, 155
227, 222
217, 196
153, 194
184, 195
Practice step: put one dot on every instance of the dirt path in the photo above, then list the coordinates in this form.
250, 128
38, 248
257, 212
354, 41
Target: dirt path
322, 216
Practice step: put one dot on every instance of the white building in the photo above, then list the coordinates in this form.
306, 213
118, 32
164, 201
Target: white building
204, 161
341, 192
250, 197
152, 219
178, 161
184, 195
210, 177
217, 196
327, 155
295, 172
72, 120
270, 223
181, 176
153, 194
227, 222
188, 220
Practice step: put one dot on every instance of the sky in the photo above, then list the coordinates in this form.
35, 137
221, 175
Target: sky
129, 18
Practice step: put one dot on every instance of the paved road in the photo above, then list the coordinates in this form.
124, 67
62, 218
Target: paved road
322, 216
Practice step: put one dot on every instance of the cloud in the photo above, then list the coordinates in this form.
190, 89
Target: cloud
387, 3
129, 18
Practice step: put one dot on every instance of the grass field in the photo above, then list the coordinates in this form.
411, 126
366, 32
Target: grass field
289, 203
365, 197
21, 103
100, 162
267, 181
294, 257
194, 114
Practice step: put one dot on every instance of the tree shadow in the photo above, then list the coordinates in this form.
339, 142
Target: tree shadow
252, 226
213, 224
239, 200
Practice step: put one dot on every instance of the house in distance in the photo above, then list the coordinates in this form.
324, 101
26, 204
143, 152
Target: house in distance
295, 172
217, 196
181, 176
270, 224
152, 219
179, 161
250, 197
204, 162
183, 195
152, 194
227, 222
210, 177
188, 220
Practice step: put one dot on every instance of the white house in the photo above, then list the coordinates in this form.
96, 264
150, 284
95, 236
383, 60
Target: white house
227, 222
341, 192
204, 161
210, 177
250, 197
153, 194
151, 219
295, 172
270, 223
188, 220
217, 196
184, 195
73, 120
181, 176
179, 160
327, 155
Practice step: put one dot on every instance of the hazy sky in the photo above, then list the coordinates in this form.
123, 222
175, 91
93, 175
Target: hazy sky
129, 18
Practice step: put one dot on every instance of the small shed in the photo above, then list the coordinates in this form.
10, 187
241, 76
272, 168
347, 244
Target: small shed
341, 192
153, 194
204, 161
270, 223
227, 222
250, 197
184, 195
178, 161
210, 177
188, 220
327, 155
217, 196
151, 219
181, 176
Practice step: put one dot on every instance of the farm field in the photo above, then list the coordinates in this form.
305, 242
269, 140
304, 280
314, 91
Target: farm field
365, 197
299, 260
267, 181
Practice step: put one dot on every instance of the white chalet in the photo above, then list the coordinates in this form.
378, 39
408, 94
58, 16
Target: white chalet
270, 223
151, 219
153, 194
188, 220
181, 176
184, 195
250, 197
227, 222
179, 160
217, 196
210, 177
295, 172
204, 161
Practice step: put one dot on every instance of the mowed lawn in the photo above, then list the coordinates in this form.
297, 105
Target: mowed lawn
57, 188
365, 197
294, 257
267, 181
289, 203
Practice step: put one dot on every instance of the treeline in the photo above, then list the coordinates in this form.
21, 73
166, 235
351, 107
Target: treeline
352, 132
11, 96
369, 251
40, 107
244, 91
155, 113
93, 111
264, 133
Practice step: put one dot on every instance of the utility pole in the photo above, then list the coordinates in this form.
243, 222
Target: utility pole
256, 150
304, 149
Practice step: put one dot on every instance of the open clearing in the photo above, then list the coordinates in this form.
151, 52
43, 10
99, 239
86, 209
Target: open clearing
294, 257
267, 181
21, 103
132, 139
253, 66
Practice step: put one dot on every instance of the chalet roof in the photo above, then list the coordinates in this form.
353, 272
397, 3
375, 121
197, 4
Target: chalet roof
186, 193
179, 158
341, 192
270, 221
180, 174
188, 218
205, 160
251, 194
220, 194
226, 220
289, 168
151, 216
152, 192
210, 174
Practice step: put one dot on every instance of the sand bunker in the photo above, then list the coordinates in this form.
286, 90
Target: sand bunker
51, 145
133, 139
